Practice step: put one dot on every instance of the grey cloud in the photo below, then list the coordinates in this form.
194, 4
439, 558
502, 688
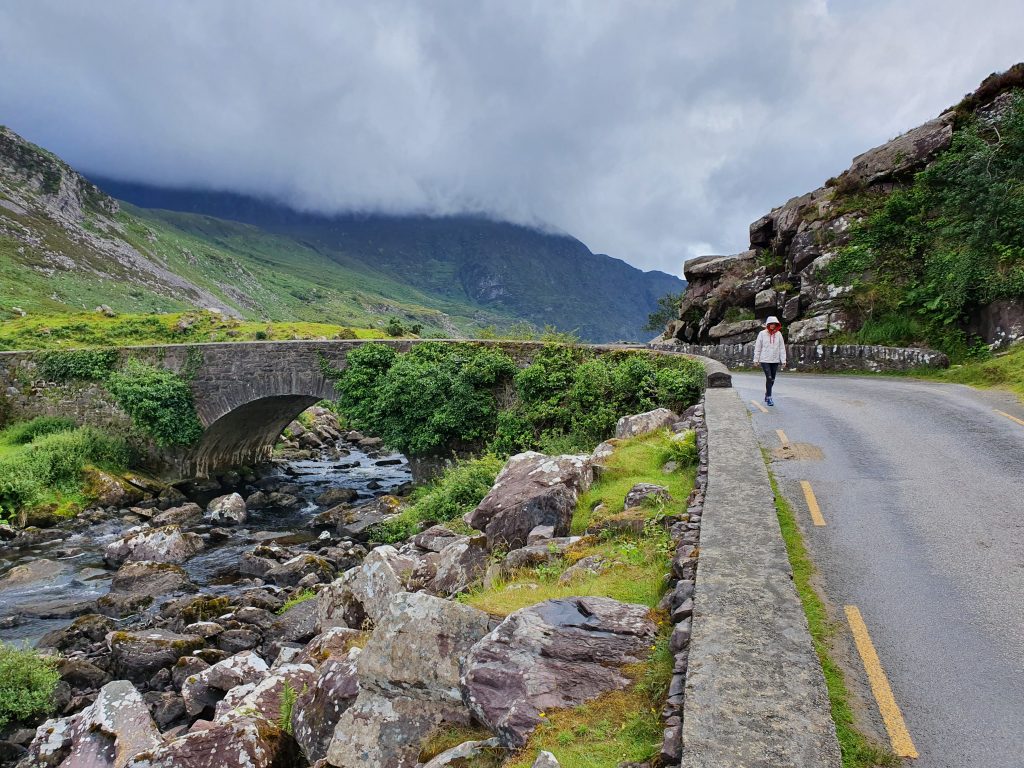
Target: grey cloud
653, 130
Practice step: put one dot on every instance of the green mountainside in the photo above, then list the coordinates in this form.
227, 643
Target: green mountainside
66, 245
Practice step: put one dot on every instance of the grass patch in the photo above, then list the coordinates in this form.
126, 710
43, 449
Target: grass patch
445, 499
451, 735
96, 330
639, 460
48, 470
616, 727
857, 750
1004, 371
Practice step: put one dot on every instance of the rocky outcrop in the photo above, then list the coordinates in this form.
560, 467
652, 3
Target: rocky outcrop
251, 742
318, 708
556, 654
227, 510
784, 270
364, 593
203, 690
531, 490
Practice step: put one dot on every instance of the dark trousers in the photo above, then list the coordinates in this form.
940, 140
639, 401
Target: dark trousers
770, 369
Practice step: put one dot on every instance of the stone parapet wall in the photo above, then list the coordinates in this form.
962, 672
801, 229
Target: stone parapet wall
822, 357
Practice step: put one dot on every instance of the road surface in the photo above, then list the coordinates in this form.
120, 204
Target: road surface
920, 487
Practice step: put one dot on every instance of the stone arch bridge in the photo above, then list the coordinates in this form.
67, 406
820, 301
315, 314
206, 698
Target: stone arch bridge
245, 393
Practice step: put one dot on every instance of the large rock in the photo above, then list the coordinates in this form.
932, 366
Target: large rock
318, 708
138, 582
79, 635
705, 267
532, 489
904, 153
460, 565
41, 571
812, 329
136, 656
334, 496
106, 734
160, 545
292, 571
644, 423
738, 328
177, 515
227, 510
416, 647
387, 732
110, 491
553, 655
268, 696
251, 742
204, 689
363, 593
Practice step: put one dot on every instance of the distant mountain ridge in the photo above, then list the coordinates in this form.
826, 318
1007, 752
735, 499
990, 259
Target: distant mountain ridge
497, 267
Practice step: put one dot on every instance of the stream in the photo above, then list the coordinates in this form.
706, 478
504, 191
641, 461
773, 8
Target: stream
64, 577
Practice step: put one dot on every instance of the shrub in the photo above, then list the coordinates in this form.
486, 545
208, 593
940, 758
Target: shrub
159, 402
27, 431
680, 387
395, 327
77, 364
27, 682
682, 449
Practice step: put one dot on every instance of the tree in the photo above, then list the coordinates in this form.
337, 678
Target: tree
668, 310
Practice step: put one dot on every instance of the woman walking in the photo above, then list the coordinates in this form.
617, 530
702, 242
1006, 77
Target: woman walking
770, 353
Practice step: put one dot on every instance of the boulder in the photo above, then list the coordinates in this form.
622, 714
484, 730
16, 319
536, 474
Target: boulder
436, 538
227, 510
354, 521
296, 625
137, 583
364, 592
416, 647
644, 423
642, 493
204, 689
290, 572
81, 673
166, 707
250, 742
532, 555
904, 153
110, 491
766, 301
79, 635
177, 515
553, 655
236, 640
136, 656
812, 329
545, 760
387, 732
459, 566
160, 545
270, 696
317, 709
732, 330
106, 734
41, 571
334, 496
706, 267
532, 489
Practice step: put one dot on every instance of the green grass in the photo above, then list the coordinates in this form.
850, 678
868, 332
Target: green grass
296, 599
1004, 371
857, 750
91, 329
43, 464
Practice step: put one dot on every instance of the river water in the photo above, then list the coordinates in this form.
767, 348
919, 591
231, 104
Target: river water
70, 574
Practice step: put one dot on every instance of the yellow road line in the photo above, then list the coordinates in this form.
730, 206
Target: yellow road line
782, 438
812, 503
902, 744
1010, 417
758, 405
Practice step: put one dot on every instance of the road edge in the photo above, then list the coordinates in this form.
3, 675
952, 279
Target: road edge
755, 690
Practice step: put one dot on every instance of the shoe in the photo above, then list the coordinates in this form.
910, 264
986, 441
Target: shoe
769, 401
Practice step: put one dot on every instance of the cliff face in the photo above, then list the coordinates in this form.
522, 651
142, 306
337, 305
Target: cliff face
786, 270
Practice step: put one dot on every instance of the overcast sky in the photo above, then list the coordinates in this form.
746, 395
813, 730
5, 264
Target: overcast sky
652, 130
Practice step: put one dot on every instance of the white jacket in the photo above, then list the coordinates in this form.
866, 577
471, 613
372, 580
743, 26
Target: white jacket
768, 351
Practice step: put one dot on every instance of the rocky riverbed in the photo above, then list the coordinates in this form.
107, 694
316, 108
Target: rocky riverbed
257, 627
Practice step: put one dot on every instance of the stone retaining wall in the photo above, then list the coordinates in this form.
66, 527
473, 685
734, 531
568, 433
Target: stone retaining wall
821, 357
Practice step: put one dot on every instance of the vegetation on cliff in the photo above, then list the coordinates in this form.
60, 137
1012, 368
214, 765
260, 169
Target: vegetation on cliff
929, 255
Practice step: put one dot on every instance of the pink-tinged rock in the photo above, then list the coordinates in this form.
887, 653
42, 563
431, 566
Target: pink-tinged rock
207, 687
553, 655
531, 490
251, 742
318, 708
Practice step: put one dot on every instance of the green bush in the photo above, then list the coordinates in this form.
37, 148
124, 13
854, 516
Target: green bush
439, 396
449, 497
682, 449
77, 364
27, 682
27, 431
159, 402
395, 327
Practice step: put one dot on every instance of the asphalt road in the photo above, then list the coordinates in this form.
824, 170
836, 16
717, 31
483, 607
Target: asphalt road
921, 487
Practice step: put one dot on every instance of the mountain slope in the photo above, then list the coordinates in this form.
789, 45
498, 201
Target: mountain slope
494, 267
66, 245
